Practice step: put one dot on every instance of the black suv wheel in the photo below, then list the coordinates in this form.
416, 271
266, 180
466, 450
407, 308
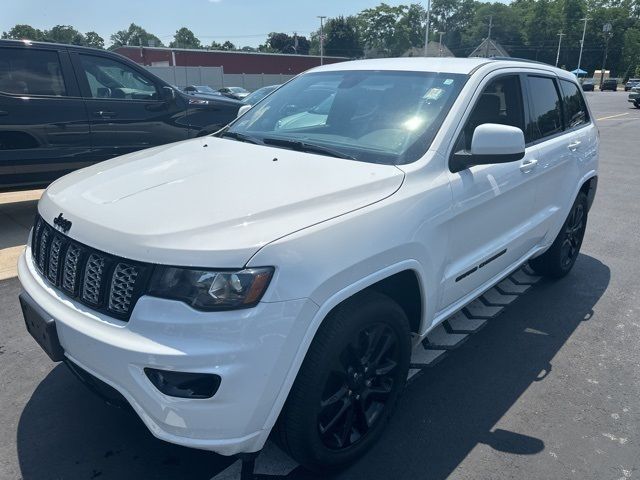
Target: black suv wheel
349, 383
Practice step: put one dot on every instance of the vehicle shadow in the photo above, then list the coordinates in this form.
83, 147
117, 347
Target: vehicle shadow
65, 432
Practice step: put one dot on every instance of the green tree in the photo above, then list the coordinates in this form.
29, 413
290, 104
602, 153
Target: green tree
24, 32
185, 38
342, 38
64, 34
227, 46
92, 39
135, 35
391, 31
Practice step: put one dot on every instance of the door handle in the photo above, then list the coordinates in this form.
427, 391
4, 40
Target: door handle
528, 165
573, 146
104, 114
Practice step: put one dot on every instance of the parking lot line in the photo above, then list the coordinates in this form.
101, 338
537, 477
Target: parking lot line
612, 116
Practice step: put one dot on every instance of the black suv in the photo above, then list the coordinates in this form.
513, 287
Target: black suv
64, 107
609, 84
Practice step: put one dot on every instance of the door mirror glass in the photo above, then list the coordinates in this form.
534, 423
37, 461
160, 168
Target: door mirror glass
491, 143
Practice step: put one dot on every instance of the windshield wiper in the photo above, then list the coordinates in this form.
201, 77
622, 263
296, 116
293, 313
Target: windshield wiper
240, 137
305, 147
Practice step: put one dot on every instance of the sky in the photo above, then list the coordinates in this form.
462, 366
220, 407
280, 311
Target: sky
243, 22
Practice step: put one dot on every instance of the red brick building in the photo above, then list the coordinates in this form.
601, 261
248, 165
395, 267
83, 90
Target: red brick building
232, 62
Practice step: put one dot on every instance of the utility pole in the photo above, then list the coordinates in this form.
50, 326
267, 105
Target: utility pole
584, 30
606, 31
295, 42
486, 55
560, 35
440, 44
321, 17
426, 35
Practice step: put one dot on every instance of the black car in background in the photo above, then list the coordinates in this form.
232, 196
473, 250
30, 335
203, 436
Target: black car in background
609, 84
588, 86
64, 107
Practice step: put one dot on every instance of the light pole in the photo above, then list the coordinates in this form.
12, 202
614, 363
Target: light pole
606, 31
440, 44
584, 30
560, 35
322, 17
488, 36
426, 34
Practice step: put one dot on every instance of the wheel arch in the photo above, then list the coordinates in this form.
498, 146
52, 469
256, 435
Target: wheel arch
589, 187
388, 281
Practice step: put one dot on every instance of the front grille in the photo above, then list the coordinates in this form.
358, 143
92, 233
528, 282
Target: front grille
105, 282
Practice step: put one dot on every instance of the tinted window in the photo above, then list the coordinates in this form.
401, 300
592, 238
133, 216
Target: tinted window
545, 107
112, 79
30, 72
574, 108
500, 102
373, 116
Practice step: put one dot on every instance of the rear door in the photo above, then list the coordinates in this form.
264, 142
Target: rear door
44, 132
127, 107
491, 226
558, 143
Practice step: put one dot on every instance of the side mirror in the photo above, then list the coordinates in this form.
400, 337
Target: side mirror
491, 143
168, 93
243, 109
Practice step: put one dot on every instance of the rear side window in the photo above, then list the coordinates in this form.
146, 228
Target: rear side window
24, 71
574, 108
546, 109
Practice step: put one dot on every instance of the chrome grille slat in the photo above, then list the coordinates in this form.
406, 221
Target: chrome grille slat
70, 272
106, 283
123, 283
54, 258
93, 279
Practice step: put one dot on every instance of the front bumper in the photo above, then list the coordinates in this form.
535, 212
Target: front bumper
252, 351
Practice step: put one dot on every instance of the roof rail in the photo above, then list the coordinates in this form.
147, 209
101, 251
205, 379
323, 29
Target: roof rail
516, 59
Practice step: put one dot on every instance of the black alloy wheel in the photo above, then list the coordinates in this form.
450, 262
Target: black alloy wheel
349, 383
358, 386
573, 234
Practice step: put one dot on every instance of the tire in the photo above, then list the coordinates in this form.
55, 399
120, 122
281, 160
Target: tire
637, 103
561, 256
334, 373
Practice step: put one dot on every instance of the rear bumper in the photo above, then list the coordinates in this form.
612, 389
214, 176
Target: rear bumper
251, 350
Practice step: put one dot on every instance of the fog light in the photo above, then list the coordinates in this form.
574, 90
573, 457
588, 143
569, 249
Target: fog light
184, 384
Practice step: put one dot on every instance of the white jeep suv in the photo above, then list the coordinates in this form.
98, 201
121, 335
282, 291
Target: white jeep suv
278, 273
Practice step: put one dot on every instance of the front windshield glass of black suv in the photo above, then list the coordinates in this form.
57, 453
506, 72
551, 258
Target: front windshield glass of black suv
386, 117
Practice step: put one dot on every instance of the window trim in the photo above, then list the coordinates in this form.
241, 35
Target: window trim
67, 81
474, 101
85, 89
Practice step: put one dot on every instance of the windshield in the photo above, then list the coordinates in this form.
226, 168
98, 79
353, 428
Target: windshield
238, 90
258, 95
373, 116
205, 89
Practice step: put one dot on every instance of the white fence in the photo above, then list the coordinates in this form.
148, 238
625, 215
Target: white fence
216, 78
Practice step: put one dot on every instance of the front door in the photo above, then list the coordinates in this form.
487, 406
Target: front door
127, 109
491, 224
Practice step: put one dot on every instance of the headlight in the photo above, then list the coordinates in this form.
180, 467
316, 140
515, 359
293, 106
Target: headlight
211, 289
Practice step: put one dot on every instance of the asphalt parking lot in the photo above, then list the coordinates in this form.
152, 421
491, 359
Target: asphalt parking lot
550, 389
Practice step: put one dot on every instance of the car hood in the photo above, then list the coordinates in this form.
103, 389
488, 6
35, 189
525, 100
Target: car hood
209, 202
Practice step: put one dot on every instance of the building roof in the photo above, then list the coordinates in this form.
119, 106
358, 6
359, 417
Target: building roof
489, 48
435, 49
229, 52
